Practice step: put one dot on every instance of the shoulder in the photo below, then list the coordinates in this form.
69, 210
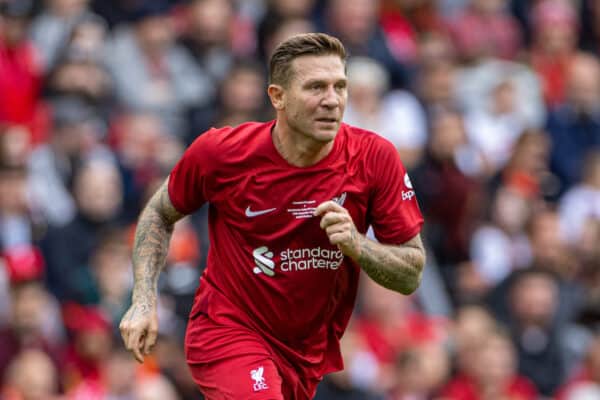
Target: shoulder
235, 137
229, 142
368, 143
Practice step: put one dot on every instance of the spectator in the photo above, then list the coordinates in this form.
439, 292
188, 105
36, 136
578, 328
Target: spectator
80, 69
31, 376
152, 73
436, 76
17, 226
389, 325
554, 46
471, 324
420, 372
486, 29
493, 375
536, 329
495, 128
501, 245
98, 194
213, 28
241, 98
449, 191
574, 127
353, 382
395, 115
145, 151
89, 347
32, 318
582, 201
75, 137
588, 376
51, 29
20, 71
355, 22
281, 31
278, 13
155, 388
528, 169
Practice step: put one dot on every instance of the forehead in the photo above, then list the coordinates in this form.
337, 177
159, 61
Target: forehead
325, 67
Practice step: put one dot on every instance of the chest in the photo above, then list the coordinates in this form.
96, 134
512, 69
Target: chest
271, 201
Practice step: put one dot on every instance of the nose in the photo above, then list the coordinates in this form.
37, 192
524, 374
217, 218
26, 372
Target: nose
331, 98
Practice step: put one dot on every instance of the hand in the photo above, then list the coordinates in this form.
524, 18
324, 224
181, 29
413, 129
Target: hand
139, 329
339, 226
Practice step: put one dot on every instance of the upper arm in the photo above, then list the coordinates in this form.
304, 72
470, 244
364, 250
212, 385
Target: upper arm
162, 205
415, 242
394, 212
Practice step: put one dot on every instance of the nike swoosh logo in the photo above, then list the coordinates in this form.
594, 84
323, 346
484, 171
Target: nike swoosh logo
252, 214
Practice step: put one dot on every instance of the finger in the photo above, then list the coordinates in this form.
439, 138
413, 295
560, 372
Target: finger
328, 206
332, 218
339, 238
137, 350
133, 345
150, 340
124, 328
337, 228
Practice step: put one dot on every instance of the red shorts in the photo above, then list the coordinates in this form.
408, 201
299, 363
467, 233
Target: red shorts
237, 365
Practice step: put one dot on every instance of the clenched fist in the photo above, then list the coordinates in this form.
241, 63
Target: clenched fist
339, 226
139, 329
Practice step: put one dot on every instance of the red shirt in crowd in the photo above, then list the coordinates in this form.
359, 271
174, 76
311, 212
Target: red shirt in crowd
20, 85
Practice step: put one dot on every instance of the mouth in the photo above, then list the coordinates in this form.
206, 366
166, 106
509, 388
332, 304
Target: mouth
327, 120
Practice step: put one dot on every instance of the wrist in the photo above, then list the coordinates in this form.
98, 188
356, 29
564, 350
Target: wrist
144, 295
355, 250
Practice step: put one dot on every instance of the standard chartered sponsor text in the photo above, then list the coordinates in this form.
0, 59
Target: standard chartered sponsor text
310, 258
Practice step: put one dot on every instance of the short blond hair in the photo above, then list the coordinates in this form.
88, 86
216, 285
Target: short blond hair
305, 44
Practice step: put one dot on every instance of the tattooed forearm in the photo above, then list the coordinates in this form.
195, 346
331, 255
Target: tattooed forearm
150, 248
397, 268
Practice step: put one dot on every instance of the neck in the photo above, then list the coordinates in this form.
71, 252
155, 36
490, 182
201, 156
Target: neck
296, 148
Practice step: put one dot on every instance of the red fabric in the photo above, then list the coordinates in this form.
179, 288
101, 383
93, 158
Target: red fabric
238, 352
24, 263
583, 377
411, 330
277, 273
498, 35
20, 85
464, 388
400, 35
552, 72
79, 318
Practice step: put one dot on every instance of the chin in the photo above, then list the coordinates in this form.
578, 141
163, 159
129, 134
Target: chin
325, 135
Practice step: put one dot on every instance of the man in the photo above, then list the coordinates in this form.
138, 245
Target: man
290, 201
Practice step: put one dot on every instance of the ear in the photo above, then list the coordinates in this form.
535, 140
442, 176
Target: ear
277, 95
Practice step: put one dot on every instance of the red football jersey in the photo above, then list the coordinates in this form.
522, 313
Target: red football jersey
271, 268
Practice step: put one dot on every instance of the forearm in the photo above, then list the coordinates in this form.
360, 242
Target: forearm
398, 268
151, 245
150, 249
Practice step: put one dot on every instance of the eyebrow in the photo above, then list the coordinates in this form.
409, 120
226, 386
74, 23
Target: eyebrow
316, 80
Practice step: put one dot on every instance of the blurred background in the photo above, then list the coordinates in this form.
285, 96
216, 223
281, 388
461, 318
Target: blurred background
494, 106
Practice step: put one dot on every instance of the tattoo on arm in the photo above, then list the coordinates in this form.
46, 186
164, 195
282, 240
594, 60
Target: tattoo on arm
397, 268
150, 248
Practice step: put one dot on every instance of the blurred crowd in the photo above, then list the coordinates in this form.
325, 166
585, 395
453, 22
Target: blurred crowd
493, 105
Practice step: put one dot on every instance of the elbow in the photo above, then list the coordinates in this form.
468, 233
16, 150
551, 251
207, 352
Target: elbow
410, 286
412, 282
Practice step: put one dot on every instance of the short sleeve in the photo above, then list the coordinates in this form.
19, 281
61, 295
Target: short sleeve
190, 178
395, 215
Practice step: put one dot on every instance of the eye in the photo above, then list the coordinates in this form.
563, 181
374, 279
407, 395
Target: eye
340, 86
